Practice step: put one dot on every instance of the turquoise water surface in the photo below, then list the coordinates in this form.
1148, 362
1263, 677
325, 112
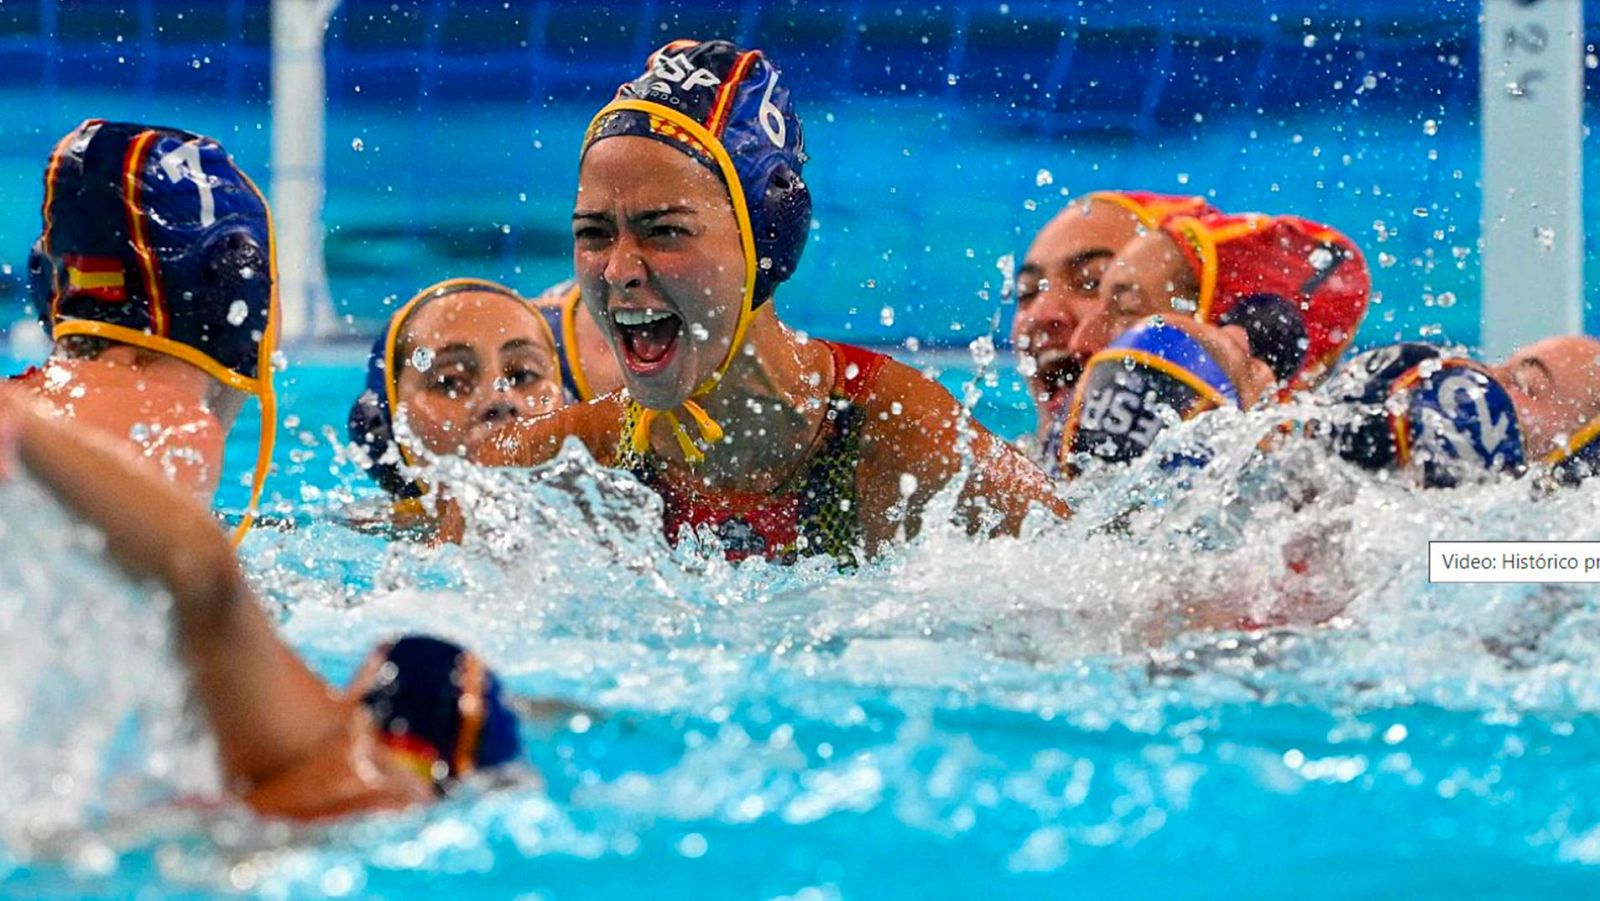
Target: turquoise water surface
1021, 717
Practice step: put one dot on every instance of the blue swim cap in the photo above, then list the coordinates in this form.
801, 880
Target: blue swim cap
1129, 391
154, 237
1411, 404
435, 700
370, 424
725, 108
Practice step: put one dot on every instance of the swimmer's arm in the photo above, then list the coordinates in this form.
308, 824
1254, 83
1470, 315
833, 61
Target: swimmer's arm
529, 442
917, 449
268, 711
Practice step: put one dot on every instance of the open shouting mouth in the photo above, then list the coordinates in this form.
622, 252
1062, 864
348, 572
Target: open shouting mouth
1057, 373
649, 338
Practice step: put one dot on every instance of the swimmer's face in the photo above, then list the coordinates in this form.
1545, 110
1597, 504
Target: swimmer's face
658, 258
1058, 288
1555, 384
1148, 277
491, 361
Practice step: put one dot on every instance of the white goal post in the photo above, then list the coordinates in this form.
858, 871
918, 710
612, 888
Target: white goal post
299, 103
1533, 56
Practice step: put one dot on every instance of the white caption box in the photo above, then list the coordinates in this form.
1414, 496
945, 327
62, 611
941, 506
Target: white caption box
1541, 562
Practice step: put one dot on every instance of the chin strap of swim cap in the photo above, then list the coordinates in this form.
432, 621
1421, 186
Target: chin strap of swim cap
665, 122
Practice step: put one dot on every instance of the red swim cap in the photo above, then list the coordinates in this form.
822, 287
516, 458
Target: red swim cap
1313, 269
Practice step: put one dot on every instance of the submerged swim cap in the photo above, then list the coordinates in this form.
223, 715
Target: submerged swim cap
154, 237
1297, 288
1410, 404
724, 108
439, 705
370, 424
1152, 375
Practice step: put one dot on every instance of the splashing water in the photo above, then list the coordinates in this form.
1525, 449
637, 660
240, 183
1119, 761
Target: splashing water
1036, 712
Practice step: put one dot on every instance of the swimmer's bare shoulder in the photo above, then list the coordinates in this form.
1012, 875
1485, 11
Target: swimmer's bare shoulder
910, 448
529, 442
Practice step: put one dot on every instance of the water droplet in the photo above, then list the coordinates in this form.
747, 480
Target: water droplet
358, 145
140, 432
951, 79
982, 349
1310, 40
422, 359
1027, 366
1430, 128
699, 332
1420, 212
692, 846
1321, 258
505, 229
502, 384
247, 273
908, 484
1446, 299
886, 316
1183, 178
1043, 177
1547, 238
238, 312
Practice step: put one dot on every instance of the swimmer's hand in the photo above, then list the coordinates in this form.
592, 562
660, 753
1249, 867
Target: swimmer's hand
451, 523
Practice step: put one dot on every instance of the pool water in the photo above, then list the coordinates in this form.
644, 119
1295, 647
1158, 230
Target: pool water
962, 719
1025, 717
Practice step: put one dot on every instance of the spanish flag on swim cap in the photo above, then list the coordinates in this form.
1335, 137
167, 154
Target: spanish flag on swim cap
725, 108
1298, 287
154, 237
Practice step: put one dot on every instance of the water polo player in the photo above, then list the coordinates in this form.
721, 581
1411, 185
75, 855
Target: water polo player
588, 370
458, 359
1292, 290
1058, 288
1445, 418
154, 277
420, 715
690, 212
